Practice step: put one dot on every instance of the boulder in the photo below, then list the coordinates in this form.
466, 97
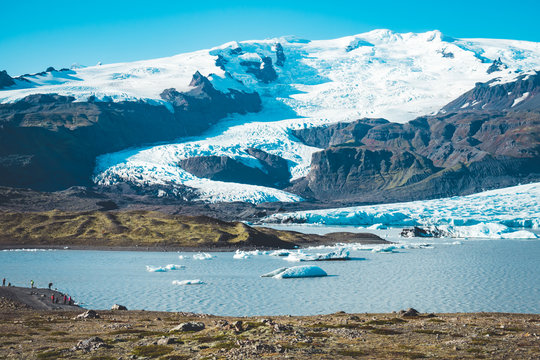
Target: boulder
189, 326
90, 344
409, 312
89, 314
118, 307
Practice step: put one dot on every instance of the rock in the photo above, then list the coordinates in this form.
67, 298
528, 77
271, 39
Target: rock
90, 314
282, 328
118, 307
409, 312
90, 344
189, 326
5, 80
166, 341
280, 55
237, 326
497, 65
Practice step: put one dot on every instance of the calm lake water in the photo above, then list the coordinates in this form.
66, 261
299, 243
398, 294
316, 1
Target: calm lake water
447, 276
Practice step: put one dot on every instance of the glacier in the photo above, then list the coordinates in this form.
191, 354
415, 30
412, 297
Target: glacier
489, 214
397, 76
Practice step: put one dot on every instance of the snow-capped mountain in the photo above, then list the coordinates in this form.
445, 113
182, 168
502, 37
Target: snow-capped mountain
302, 84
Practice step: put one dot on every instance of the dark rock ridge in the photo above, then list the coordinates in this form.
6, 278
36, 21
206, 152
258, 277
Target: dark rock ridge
280, 55
273, 170
456, 153
49, 142
497, 65
519, 95
5, 80
264, 71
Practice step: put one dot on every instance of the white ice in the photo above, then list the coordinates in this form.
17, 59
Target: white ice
188, 282
386, 74
491, 213
202, 256
296, 272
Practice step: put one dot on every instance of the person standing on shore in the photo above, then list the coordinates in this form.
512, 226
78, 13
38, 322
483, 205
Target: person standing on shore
52, 298
69, 300
65, 299
32, 284
50, 285
4, 282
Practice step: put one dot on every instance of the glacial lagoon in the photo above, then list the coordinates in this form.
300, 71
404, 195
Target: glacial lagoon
431, 275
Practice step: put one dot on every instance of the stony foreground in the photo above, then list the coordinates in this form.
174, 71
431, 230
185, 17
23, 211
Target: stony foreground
27, 334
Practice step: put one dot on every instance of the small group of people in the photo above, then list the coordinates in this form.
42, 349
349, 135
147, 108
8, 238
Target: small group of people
67, 299
4, 282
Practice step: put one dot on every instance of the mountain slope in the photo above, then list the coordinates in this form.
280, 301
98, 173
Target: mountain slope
302, 84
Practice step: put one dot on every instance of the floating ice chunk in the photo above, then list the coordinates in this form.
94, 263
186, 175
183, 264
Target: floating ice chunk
339, 254
188, 282
296, 272
202, 256
181, 257
174, 267
280, 253
377, 227
239, 254
156, 268
164, 268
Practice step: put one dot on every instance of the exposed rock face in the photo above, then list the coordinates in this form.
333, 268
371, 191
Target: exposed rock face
189, 326
280, 55
520, 95
264, 71
456, 153
205, 100
5, 80
49, 142
273, 170
497, 65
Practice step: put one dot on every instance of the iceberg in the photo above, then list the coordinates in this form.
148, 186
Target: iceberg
296, 272
239, 254
164, 268
280, 253
156, 268
339, 254
174, 267
202, 256
188, 282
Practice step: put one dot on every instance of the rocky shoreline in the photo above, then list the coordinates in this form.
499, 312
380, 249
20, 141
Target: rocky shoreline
27, 333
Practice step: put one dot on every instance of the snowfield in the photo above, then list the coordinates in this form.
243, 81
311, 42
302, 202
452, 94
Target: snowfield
489, 214
375, 74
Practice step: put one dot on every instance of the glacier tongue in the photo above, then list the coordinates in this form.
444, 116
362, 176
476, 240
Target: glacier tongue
375, 74
490, 214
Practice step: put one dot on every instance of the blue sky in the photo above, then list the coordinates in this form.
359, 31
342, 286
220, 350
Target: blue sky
38, 34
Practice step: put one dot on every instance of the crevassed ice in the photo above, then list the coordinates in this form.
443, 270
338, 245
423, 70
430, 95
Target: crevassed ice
487, 214
375, 74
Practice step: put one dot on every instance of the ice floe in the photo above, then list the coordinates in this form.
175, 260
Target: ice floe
202, 256
339, 254
188, 282
239, 254
296, 272
164, 268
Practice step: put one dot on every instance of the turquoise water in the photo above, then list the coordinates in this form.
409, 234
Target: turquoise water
485, 275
